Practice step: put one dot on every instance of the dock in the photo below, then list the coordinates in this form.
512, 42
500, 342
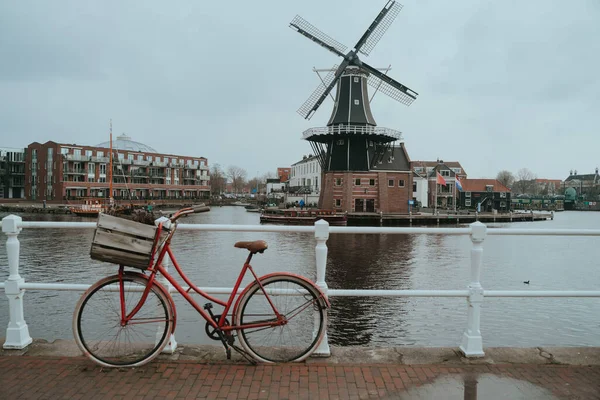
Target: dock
443, 218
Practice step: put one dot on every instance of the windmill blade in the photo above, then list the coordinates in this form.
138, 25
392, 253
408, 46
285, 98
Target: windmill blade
378, 27
305, 28
320, 94
389, 86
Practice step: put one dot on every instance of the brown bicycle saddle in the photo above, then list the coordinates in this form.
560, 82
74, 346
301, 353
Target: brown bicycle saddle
258, 246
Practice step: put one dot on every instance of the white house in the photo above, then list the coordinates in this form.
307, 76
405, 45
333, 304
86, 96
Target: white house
306, 173
420, 188
305, 180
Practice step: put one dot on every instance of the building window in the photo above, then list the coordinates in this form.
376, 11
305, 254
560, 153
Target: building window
371, 182
468, 194
88, 153
400, 182
414, 186
457, 170
130, 157
338, 181
357, 182
76, 152
338, 203
445, 172
468, 202
419, 169
390, 182
100, 154
64, 150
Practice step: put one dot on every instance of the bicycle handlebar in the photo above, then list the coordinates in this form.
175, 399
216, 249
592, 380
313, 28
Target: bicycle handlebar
180, 213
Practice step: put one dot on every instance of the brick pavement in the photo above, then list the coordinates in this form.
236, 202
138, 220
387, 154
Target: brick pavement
33, 377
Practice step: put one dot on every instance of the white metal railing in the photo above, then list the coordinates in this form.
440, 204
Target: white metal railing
352, 130
17, 333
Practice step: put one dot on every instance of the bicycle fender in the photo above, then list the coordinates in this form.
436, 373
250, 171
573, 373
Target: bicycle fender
165, 291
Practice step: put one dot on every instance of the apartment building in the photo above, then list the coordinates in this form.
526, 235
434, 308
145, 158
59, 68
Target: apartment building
56, 172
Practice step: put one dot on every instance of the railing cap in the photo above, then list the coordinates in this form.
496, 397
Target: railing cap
322, 229
11, 224
478, 231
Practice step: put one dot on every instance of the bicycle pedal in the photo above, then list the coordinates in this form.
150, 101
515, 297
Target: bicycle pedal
208, 306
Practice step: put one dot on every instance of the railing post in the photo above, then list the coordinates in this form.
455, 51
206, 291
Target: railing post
172, 345
17, 333
321, 235
472, 345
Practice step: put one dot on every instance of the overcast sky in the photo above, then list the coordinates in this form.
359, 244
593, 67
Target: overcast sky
502, 84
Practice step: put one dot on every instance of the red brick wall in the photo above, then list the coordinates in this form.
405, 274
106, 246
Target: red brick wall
386, 199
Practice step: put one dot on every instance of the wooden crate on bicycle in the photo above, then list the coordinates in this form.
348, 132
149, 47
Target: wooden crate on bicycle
121, 241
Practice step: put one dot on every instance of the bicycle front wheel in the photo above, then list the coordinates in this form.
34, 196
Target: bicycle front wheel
303, 308
97, 322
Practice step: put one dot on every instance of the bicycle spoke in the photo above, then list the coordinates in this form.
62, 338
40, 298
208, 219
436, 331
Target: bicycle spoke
294, 338
99, 328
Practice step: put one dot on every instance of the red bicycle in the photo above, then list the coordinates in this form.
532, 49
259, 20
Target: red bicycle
125, 320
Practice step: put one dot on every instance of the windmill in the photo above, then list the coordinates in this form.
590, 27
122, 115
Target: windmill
352, 141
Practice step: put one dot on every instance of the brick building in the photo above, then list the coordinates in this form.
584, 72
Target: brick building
57, 172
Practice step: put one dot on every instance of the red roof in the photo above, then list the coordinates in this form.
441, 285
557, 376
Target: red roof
478, 185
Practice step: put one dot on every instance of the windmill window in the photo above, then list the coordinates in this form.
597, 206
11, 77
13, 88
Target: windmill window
400, 182
468, 202
338, 181
371, 182
338, 203
357, 181
356, 79
340, 142
390, 183
468, 194
356, 102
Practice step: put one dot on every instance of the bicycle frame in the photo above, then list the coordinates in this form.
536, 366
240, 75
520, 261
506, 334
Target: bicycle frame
221, 323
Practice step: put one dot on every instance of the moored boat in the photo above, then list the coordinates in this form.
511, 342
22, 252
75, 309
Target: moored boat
302, 217
89, 208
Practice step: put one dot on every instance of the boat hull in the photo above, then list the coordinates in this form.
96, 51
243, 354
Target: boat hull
289, 217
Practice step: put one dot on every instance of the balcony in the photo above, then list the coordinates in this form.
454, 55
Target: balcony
191, 166
159, 164
100, 159
73, 157
73, 171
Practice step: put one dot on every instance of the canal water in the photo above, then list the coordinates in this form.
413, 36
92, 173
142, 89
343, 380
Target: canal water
355, 261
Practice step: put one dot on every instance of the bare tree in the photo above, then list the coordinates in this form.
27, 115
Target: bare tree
217, 180
237, 176
525, 180
506, 178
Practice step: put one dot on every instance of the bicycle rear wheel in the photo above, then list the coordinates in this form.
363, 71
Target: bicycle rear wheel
97, 322
299, 302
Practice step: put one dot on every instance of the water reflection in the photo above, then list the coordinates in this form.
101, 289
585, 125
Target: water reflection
367, 262
471, 386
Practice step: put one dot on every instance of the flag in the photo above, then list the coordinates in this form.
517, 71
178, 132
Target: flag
440, 179
458, 184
